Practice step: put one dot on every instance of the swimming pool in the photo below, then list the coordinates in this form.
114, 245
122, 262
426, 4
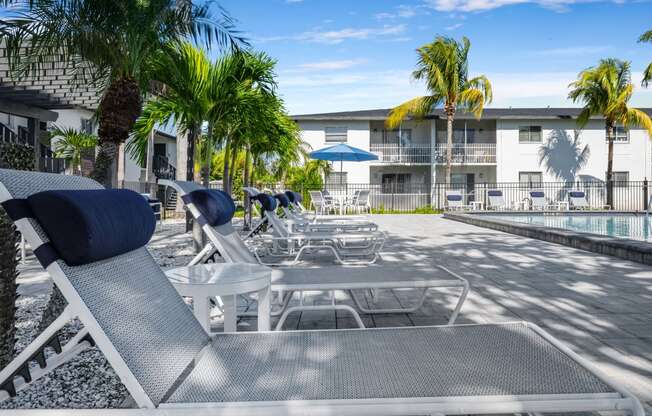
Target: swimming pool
619, 225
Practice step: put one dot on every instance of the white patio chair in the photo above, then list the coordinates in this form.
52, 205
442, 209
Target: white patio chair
321, 205
455, 201
165, 359
361, 202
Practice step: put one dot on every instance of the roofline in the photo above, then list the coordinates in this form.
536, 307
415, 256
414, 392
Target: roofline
372, 115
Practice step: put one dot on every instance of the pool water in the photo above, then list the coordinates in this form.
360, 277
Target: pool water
635, 227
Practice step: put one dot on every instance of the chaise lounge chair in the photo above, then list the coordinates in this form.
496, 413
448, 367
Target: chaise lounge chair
455, 201
289, 280
496, 200
540, 202
347, 248
297, 223
166, 360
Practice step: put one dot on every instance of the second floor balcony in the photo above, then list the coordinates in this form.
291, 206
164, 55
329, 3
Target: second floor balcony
476, 153
413, 154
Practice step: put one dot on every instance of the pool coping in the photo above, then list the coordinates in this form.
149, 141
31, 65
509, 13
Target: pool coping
626, 249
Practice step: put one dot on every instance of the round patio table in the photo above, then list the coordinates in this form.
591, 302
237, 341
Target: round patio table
202, 282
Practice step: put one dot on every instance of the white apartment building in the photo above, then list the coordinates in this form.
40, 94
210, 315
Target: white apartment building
506, 145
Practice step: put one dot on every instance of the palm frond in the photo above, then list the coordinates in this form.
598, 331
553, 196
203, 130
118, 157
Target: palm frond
417, 108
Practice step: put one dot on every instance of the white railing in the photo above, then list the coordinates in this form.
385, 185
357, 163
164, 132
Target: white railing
469, 153
389, 153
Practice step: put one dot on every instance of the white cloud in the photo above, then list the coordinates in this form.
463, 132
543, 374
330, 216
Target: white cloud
406, 11
333, 65
339, 36
453, 27
382, 16
483, 5
293, 1
571, 51
319, 92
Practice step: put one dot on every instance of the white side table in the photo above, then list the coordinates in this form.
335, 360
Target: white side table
477, 205
563, 206
226, 280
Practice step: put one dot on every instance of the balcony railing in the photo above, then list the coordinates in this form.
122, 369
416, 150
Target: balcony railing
162, 168
480, 153
388, 153
484, 153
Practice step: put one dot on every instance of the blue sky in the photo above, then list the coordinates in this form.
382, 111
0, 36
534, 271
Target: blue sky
336, 55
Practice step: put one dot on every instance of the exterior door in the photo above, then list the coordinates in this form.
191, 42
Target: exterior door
470, 186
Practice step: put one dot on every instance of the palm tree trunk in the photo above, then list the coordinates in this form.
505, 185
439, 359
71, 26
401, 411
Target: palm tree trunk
225, 170
209, 155
8, 275
245, 181
450, 116
234, 161
196, 173
119, 108
611, 127
254, 162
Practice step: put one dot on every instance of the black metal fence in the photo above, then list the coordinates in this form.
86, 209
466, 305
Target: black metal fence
627, 196
406, 197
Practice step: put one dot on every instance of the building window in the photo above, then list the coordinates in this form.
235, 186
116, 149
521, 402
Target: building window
391, 137
336, 134
530, 180
336, 181
620, 179
621, 135
396, 183
87, 126
529, 134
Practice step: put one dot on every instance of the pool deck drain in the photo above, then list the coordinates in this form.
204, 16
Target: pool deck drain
626, 249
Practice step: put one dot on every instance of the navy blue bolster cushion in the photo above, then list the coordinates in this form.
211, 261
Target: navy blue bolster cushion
85, 226
576, 194
495, 193
291, 196
283, 200
215, 206
297, 197
267, 201
454, 197
537, 194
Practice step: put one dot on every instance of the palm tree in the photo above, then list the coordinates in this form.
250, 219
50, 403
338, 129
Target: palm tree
605, 91
242, 86
72, 144
111, 45
182, 98
443, 64
647, 75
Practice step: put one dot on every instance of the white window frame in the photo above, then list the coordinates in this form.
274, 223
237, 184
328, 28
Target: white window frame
342, 132
619, 183
529, 132
530, 183
623, 138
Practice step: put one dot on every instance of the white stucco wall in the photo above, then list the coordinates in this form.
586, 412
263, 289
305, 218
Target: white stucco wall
514, 157
313, 133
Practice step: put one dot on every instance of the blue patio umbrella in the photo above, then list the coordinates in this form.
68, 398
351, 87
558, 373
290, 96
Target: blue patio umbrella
343, 152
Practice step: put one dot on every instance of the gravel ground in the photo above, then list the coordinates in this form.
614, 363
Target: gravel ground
87, 381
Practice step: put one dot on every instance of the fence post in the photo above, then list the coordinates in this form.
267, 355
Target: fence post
393, 192
645, 195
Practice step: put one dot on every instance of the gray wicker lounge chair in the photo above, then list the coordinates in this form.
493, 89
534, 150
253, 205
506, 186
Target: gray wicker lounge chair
166, 360
289, 280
